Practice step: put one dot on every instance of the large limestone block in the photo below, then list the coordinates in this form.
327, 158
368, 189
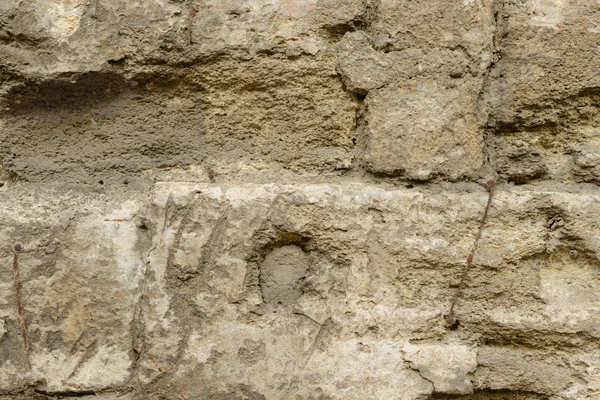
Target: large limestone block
548, 55
80, 277
272, 113
419, 37
94, 91
288, 290
268, 113
364, 67
544, 95
44, 38
374, 271
424, 128
422, 66
294, 28
464, 27
97, 127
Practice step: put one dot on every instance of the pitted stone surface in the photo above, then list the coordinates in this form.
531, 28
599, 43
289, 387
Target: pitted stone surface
417, 129
273, 199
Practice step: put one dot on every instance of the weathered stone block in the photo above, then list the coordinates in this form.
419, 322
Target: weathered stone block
422, 67
382, 268
463, 26
506, 368
544, 95
266, 264
80, 285
424, 128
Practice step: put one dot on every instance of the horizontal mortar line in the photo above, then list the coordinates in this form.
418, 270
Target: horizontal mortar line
465, 188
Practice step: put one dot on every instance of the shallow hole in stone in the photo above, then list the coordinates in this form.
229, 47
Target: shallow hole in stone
118, 61
455, 325
282, 274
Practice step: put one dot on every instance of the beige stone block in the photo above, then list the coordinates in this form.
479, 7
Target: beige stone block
447, 366
520, 370
543, 94
79, 287
424, 128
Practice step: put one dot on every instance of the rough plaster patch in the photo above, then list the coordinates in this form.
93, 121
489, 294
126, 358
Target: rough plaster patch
295, 8
282, 273
61, 18
546, 12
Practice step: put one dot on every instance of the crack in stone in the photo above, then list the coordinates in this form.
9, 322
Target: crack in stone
418, 371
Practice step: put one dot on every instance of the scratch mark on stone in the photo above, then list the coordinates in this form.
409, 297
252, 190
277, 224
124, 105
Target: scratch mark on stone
77, 341
319, 337
177, 390
170, 208
85, 357
297, 312
18, 248
323, 330
215, 237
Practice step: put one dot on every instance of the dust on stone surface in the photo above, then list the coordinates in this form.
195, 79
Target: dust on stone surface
275, 199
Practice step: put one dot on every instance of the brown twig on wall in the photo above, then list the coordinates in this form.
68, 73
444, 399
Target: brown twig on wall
450, 318
19, 248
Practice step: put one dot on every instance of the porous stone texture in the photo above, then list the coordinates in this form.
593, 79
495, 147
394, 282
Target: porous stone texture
421, 111
277, 199
545, 91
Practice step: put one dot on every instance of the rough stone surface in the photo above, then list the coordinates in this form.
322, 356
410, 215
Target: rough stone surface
445, 366
79, 294
429, 64
418, 129
276, 199
545, 91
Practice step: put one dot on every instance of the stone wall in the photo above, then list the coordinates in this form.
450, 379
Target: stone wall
277, 199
